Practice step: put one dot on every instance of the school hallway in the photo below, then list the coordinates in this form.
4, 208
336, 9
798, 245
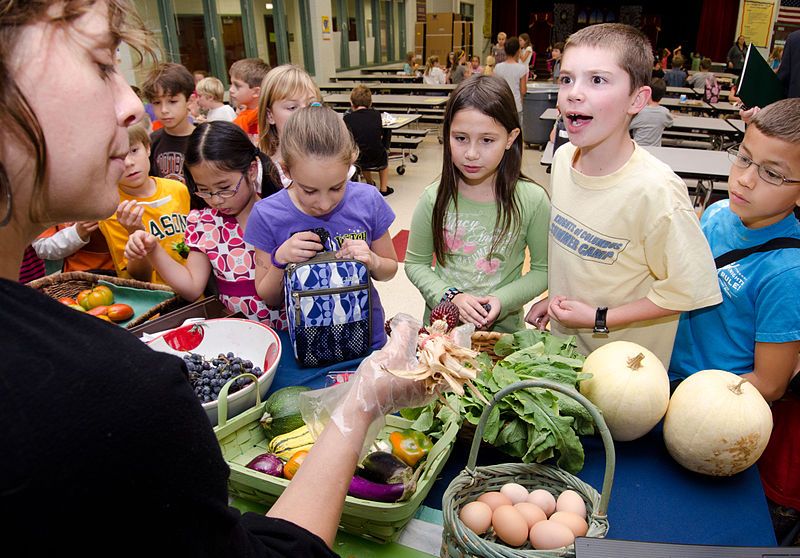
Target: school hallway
399, 295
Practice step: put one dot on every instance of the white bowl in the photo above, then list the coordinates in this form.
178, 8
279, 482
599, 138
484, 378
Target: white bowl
247, 339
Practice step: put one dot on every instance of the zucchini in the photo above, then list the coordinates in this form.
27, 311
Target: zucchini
286, 445
282, 411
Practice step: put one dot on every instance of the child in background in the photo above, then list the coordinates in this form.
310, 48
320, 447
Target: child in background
373, 140
555, 60
318, 151
210, 92
699, 79
488, 70
755, 332
81, 246
626, 251
475, 68
153, 204
648, 125
478, 220
527, 56
168, 88
459, 70
676, 76
286, 89
227, 175
246, 77
409, 66
433, 74
696, 60
775, 58
499, 50
515, 74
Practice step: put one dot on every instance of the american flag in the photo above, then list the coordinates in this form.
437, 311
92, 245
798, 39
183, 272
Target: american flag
789, 12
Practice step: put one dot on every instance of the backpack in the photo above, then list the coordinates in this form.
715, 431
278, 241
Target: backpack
711, 91
328, 306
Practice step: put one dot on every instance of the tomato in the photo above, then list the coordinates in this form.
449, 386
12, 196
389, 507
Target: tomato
77, 307
119, 312
67, 300
104, 317
82, 297
98, 296
291, 467
98, 311
185, 338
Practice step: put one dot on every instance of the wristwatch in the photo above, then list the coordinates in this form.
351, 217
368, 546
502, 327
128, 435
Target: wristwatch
450, 294
600, 320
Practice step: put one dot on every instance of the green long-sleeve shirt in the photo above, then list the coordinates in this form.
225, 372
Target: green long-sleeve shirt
469, 266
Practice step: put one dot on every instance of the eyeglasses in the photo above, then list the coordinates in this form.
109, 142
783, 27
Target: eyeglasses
767, 174
222, 194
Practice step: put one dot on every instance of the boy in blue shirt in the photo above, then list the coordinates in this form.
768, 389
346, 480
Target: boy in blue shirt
755, 331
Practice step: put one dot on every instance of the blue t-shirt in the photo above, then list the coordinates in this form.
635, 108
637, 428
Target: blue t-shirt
362, 214
759, 298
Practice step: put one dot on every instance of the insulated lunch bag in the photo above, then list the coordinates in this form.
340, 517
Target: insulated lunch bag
328, 305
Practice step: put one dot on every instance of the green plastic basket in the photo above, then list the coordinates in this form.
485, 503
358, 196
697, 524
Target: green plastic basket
459, 541
242, 438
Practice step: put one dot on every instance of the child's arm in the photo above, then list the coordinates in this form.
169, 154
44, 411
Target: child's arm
774, 366
187, 280
419, 255
380, 258
129, 215
576, 314
269, 278
65, 242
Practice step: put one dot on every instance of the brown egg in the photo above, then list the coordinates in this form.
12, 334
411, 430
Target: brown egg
477, 516
571, 501
544, 500
510, 526
576, 523
547, 535
531, 512
494, 499
515, 492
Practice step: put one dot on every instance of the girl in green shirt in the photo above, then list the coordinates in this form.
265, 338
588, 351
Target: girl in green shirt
478, 220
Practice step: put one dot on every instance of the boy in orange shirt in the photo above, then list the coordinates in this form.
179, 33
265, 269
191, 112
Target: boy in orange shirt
154, 204
246, 77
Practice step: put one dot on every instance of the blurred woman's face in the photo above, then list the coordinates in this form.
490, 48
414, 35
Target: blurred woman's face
68, 73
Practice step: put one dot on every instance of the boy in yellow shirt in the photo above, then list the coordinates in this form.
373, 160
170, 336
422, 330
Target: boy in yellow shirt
156, 205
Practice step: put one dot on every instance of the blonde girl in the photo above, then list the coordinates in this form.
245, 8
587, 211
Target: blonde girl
284, 90
488, 69
433, 75
318, 151
476, 223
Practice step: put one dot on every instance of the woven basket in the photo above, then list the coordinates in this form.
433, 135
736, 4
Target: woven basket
70, 284
459, 541
243, 438
483, 342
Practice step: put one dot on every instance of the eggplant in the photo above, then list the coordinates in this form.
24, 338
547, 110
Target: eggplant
268, 464
383, 467
377, 492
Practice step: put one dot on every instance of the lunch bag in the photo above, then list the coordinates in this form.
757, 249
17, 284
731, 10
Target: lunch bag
711, 90
328, 306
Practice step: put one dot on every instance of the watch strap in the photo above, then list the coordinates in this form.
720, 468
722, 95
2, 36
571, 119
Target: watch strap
600, 325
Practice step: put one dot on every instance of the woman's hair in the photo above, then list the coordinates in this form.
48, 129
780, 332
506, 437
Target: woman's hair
317, 132
18, 122
280, 83
227, 147
493, 97
432, 60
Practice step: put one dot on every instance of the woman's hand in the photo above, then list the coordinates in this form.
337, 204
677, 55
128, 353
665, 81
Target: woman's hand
140, 244
537, 316
298, 248
358, 250
129, 215
572, 313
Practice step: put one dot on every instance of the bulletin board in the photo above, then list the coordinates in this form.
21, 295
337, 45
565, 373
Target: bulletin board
756, 22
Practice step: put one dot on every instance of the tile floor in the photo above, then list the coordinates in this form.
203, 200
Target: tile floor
399, 295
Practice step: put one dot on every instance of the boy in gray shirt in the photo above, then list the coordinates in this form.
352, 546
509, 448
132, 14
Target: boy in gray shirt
648, 126
699, 79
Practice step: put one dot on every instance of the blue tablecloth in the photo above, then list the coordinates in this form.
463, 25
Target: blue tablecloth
652, 499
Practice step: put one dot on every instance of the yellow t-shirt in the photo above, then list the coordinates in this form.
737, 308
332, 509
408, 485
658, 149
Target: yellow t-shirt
621, 237
166, 222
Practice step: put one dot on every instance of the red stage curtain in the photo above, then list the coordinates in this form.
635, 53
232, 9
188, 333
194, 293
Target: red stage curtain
717, 31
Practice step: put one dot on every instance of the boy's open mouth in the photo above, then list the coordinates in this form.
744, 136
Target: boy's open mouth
578, 119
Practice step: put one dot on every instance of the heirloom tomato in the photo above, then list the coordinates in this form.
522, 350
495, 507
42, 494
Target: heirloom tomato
98, 296
119, 312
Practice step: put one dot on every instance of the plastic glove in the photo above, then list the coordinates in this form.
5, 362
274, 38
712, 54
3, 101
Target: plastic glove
372, 390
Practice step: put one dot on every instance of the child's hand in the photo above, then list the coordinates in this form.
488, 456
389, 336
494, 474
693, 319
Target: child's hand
496, 306
358, 250
471, 310
572, 313
85, 229
537, 316
140, 244
130, 215
298, 248
747, 115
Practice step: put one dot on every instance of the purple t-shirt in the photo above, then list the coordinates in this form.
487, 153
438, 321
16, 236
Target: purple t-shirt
362, 214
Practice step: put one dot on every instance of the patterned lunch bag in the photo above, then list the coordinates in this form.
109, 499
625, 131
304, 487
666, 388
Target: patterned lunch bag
328, 305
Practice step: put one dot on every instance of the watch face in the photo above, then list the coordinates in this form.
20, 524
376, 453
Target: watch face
601, 329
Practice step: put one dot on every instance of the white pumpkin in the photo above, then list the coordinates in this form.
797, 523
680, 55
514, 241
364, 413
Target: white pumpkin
717, 423
629, 385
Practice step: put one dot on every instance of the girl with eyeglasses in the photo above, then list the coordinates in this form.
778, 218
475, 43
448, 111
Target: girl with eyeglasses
226, 175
